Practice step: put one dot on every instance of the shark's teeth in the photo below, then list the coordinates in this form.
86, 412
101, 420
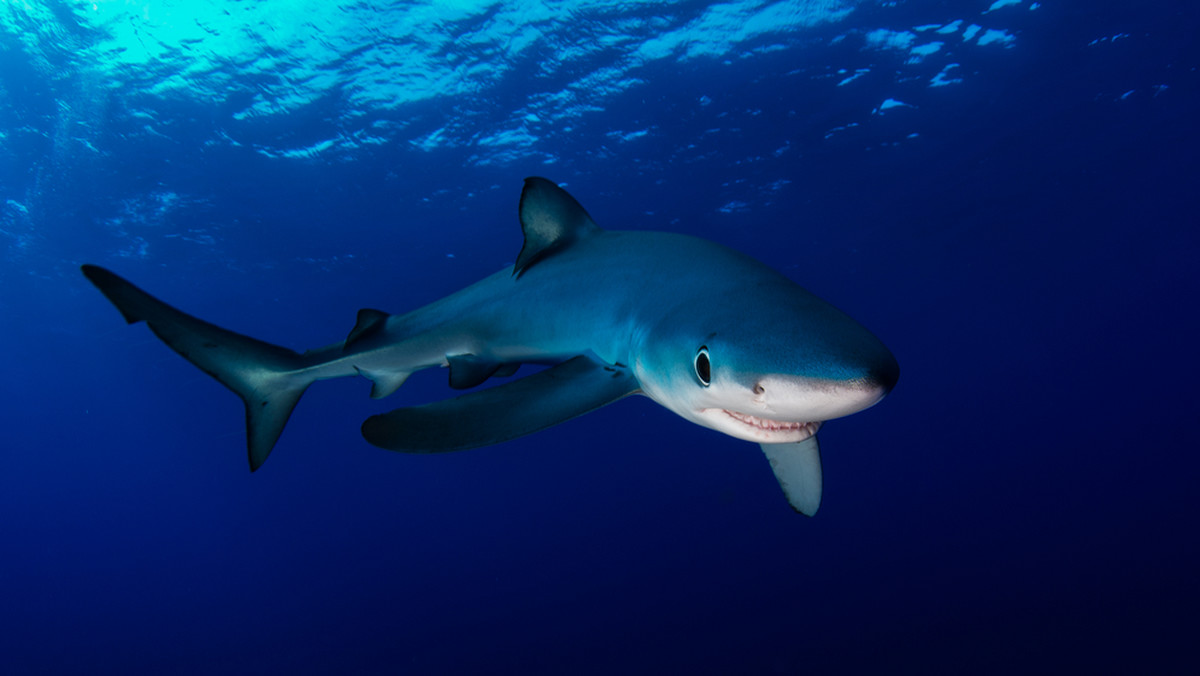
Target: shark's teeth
770, 425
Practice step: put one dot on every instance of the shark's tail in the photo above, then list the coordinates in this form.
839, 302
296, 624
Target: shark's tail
268, 378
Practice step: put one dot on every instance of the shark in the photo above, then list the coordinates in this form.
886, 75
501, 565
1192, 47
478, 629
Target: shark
714, 335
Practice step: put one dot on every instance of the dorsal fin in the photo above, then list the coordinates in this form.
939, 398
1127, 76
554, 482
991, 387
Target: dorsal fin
551, 219
368, 323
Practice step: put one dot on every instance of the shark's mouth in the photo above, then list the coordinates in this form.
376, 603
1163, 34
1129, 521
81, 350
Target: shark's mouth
802, 429
756, 428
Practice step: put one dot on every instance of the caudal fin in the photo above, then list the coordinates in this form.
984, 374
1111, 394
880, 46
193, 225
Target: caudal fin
268, 378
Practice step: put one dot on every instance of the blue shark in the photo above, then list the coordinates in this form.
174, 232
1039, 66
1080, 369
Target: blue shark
711, 334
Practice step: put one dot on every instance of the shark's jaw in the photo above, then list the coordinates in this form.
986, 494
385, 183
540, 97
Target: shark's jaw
757, 428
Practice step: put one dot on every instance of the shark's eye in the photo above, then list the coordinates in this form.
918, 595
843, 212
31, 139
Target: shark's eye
703, 368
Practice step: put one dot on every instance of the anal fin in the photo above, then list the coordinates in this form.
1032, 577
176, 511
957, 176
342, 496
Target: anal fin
383, 383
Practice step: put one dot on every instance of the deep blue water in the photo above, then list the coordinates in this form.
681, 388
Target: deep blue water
1018, 227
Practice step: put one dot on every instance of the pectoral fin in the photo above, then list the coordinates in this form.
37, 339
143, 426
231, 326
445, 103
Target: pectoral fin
797, 467
502, 413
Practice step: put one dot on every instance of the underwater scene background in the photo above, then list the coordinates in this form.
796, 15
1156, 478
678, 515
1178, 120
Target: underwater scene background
1004, 192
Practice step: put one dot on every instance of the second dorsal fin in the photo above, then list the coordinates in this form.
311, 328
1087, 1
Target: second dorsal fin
551, 220
369, 323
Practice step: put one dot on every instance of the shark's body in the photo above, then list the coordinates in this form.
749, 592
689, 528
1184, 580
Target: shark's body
710, 333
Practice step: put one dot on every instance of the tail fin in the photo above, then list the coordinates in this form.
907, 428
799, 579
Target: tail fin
265, 376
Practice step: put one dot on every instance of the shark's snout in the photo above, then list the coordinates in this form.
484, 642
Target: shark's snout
878, 378
855, 381
884, 373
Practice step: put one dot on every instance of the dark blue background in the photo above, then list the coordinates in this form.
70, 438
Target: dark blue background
1024, 501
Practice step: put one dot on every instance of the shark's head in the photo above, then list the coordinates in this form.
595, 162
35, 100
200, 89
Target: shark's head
767, 363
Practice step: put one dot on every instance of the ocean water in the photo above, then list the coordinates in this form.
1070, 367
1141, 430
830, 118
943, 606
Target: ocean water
1004, 192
